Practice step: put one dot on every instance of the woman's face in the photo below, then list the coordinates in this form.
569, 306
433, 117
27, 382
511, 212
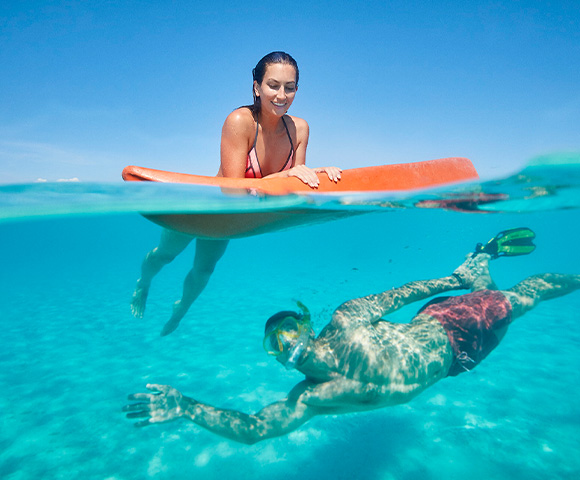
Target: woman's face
277, 89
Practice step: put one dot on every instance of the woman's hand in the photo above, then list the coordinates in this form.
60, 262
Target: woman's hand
332, 172
309, 177
164, 405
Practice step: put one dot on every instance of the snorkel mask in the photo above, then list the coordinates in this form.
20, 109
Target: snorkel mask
284, 328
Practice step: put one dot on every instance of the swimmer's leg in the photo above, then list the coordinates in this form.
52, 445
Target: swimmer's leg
207, 254
171, 244
535, 289
474, 272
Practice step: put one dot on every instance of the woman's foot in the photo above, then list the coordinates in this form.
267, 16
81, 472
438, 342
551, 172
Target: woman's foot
173, 322
139, 299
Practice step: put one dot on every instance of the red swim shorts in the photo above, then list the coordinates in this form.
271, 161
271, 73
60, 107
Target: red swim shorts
470, 321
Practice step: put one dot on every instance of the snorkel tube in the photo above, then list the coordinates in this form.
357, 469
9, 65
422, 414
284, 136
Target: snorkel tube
303, 338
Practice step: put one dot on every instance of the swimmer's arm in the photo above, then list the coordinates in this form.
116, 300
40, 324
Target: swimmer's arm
372, 308
344, 395
276, 419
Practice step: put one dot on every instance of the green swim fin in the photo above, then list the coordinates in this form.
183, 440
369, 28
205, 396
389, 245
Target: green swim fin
509, 243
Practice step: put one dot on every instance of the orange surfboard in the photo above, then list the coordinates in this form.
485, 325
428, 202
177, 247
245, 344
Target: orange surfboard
405, 176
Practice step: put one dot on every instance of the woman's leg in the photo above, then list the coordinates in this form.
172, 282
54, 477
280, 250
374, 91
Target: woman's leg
207, 254
171, 244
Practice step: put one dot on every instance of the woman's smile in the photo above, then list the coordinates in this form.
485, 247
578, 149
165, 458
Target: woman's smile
278, 87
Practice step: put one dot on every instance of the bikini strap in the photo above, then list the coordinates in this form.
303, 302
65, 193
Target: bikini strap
291, 155
288, 132
257, 127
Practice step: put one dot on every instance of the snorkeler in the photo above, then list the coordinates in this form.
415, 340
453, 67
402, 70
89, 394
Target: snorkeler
258, 141
362, 362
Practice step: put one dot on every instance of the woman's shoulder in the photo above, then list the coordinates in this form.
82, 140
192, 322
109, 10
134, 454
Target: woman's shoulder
299, 125
241, 119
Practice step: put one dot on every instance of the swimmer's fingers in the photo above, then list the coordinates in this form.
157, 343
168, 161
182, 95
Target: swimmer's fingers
165, 404
138, 410
139, 396
155, 387
144, 423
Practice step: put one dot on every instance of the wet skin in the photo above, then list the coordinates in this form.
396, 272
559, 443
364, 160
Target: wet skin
359, 361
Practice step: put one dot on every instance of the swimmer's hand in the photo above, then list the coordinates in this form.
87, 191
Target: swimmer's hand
309, 177
163, 405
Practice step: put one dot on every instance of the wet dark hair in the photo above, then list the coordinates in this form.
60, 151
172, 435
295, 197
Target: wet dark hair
260, 70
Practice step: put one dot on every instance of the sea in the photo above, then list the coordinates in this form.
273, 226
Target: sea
71, 351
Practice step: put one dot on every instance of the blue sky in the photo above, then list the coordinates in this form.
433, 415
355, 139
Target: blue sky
89, 87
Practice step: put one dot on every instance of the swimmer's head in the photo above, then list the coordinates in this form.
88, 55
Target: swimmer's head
287, 334
260, 70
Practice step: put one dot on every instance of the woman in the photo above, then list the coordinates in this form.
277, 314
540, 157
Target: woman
258, 141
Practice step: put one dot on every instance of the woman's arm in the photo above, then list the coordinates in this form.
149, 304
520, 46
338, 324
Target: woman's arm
238, 132
237, 135
300, 170
277, 419
302, 137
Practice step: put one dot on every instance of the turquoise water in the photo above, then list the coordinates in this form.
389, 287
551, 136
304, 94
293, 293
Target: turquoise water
71, 351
